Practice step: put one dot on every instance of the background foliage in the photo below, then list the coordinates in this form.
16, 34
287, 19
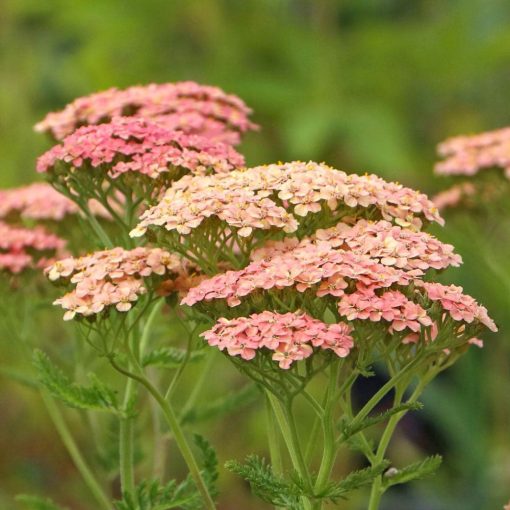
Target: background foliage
366, 85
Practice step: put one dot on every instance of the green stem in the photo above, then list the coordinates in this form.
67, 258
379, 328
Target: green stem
177, 432
289, 433
378, 490
328, 427
74, 452
126, 436
272, 436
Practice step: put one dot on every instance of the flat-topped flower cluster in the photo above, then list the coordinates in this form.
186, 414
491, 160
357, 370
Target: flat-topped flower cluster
23, 248
108, 278
186, 106
141, 146
289, 337
279, 195
467, 155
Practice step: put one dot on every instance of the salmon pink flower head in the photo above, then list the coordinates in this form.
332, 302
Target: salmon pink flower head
281, 196
110, 278
40, 202
139, 147
468, 155
288, 337
185, 106
27, 248
459, 306
388, 244
315, 267
455, 196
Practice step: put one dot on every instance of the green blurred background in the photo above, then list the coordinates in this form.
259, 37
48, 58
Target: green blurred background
365, 85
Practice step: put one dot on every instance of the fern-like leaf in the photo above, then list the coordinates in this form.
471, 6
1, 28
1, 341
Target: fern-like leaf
265, 484
350, 430
97, 396
352, 482
418, 470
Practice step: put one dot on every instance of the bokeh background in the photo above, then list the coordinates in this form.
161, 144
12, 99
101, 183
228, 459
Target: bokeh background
365, 85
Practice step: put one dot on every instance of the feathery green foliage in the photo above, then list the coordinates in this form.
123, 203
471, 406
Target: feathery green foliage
265, 484
414, 471
152, 495
352, 482
349, 431
96, 396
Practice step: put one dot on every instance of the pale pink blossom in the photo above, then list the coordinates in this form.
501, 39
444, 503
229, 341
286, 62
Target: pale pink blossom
454, 196
139, 146
289, 337
28, 248
185, 106
467, 155
280, 195
108, 278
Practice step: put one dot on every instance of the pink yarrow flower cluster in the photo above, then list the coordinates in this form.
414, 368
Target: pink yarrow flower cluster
454, 196
392, 306
40, 202
277, 195
24, 248
316, 266
290, 337
467, 155
141, 146
110, 278
185, 106
460, 306
388, 244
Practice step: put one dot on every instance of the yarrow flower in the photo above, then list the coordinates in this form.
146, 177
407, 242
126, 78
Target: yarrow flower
109, 278
40, 202
281, 196
454, 196
467, 155
376, 254
24, 248
128, 145
289, 337
186, 106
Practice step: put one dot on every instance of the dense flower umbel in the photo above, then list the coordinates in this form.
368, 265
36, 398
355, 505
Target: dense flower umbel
389, 244
110, 278
40, 202
455, 196
372, 253
467, 155
140, 146
280, 194
184, 106
289, 337
24, 248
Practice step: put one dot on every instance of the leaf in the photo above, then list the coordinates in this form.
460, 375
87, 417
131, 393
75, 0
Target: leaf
169, 357
151, 495
353, 481
223, 405
348, 430
265, 484
98, 396
37, 503
416, 471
